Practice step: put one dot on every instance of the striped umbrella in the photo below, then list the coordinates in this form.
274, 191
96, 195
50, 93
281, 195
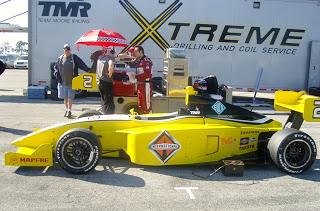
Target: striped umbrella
102, 37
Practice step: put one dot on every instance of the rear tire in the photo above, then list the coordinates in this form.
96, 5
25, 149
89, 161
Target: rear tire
292, 151
90, 113
52, 64
54, 95
78, 151
80, 94
129, 107
54, 84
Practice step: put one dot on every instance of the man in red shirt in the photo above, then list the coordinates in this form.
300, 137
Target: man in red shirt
143, 76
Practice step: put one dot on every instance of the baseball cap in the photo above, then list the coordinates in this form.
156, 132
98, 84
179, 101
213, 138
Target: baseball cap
131, 49
106, 48
66, 47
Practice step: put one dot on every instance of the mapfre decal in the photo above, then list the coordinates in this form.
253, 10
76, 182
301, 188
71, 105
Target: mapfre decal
34, 160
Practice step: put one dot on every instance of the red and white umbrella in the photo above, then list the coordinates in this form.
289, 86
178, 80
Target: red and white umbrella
102, 37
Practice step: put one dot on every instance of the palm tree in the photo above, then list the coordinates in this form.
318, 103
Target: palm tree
20, 45
5, 46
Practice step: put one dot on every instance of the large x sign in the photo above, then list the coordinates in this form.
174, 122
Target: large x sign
149, 29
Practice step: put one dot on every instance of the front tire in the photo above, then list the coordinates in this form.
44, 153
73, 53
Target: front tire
78, 151
292, 150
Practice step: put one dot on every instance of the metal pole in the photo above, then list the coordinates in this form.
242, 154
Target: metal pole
30, 42
257, 84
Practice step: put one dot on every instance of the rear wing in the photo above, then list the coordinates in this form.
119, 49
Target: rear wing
300, 104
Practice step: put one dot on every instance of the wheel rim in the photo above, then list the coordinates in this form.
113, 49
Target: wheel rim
297, 154
77, 153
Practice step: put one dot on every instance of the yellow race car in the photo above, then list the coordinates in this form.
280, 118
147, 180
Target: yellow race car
207, 130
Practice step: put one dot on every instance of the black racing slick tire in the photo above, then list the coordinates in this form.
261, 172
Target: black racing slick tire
3, 66
54, 95
78, 151
52, 64
90, 113
292, 151
81, 94
129, 107
53, 84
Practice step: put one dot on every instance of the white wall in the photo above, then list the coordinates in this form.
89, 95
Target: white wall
238, 69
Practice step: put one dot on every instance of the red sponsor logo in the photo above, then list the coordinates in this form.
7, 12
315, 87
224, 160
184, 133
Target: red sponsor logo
227, 140
164, 146
34, 160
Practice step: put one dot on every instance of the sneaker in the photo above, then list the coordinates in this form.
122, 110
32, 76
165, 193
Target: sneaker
69, 115
65, 113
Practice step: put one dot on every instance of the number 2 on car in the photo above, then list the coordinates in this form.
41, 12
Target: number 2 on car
87, 81
316, 111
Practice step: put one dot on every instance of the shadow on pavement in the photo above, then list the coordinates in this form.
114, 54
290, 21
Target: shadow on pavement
25, 99
104, 174
14, 131
6, 90
251, 173
113, 172
313, 174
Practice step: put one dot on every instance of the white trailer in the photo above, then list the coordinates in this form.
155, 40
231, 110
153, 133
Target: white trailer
231, 39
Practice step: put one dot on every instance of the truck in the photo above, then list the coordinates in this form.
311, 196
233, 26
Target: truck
234, 40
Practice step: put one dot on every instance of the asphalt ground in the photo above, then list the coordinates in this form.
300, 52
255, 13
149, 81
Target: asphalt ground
119, 185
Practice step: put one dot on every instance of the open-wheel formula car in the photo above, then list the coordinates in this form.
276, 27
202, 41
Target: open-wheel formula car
207, 130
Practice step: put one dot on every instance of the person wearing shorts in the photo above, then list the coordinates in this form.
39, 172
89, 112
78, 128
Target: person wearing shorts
66, 68
65, 92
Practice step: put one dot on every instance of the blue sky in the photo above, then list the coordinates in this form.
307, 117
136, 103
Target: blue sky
9, 9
